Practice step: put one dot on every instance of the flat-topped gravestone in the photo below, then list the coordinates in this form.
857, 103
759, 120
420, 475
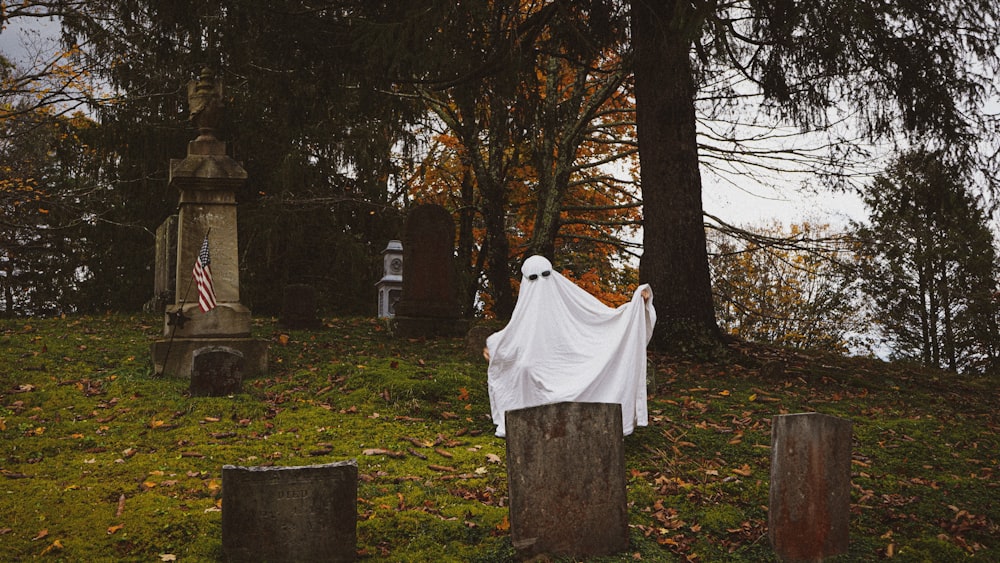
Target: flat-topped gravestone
428, 305
566, 476
216, 371
298, 309
810, 495
165, 266
290, 514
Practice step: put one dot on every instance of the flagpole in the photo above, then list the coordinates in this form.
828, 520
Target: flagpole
178, 316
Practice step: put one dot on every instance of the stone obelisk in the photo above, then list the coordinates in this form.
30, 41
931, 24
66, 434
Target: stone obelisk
207, 180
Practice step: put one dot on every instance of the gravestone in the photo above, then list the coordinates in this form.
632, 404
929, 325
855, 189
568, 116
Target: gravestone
429, 303
290, 514
475, 339
810, 496
217, 371
298, 310
165, 266
566, 477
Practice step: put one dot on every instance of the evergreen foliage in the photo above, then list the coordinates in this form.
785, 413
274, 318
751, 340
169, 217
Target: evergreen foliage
315, 139
932, 273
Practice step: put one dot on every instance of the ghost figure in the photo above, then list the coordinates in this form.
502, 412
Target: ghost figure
563, 344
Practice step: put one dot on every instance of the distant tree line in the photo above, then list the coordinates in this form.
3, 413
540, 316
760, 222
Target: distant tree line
528, 120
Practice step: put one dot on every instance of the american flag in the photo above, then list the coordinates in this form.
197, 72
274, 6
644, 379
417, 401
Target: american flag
203, 278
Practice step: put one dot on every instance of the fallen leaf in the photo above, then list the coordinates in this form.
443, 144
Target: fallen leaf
442, 468
504, 525
213, 485
54, 545
745, 470
283, 339
121, 506
381, 451
41, 534
115, 528
168, 557
493, 458
463, 394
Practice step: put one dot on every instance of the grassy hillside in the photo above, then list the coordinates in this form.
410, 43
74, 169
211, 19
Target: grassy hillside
101, 461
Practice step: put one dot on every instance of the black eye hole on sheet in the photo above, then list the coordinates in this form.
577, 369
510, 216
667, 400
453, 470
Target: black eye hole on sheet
545, 274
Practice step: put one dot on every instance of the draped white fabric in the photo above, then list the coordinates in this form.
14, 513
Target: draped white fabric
563, 344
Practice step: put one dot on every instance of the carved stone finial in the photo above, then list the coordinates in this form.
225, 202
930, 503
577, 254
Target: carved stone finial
206, 103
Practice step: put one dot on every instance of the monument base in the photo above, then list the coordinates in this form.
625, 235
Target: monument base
175, 357
228, 320
429, 327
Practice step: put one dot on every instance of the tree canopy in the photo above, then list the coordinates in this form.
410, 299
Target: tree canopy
524, 118
932, 269
902, 68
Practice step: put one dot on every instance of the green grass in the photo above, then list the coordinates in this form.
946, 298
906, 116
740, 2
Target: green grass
101, 461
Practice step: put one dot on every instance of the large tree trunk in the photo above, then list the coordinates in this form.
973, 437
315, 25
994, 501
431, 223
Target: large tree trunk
675, 259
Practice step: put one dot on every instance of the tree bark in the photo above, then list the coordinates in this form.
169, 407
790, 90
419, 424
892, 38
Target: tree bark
675, 259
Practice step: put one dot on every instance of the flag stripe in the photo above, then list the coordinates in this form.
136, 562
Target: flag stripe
202, 273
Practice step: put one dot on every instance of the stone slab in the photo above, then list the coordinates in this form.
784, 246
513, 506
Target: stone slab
290, 514
165, 266
216, 371
175, 357
226, 320
430, 287
566, 477
810, 493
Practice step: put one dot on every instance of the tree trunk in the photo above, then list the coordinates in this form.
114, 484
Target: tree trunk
498, 248
675, 259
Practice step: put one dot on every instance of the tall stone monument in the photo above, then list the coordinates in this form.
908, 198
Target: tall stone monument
207, 180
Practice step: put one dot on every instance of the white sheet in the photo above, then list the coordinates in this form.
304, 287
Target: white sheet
563, 344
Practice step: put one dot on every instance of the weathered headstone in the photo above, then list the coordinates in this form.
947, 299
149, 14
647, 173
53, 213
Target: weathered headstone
429, 303
475, 339
217, 371
810, 496
290, 514
165, 266
566, 476
298, 309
